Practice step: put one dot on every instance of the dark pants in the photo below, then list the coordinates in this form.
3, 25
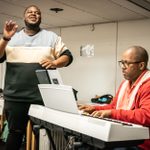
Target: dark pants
127, 148
17, 117
121, 148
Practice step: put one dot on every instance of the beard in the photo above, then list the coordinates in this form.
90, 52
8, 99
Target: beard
32, 26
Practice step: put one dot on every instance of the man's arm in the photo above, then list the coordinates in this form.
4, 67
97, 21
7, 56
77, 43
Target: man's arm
67, 53
3, 44
64, 60
9, 30
58, 63
140, 113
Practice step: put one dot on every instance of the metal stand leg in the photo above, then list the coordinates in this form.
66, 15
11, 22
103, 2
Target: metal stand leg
51, 139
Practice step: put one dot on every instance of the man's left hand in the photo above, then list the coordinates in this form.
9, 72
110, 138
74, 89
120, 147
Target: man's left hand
101, 114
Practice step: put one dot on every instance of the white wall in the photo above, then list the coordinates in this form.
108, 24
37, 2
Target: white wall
94, 75
2, 74
2, 70
133, 33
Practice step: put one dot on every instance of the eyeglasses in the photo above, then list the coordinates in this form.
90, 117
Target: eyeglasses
125, 63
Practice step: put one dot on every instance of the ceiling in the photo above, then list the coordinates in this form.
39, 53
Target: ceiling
76, 12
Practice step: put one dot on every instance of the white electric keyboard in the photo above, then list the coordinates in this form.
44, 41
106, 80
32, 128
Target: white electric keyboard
102, 129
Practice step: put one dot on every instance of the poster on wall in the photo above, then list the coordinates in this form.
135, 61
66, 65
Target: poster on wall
87, 50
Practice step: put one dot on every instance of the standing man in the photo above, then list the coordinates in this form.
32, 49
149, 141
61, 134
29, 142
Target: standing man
26, 51
132, 101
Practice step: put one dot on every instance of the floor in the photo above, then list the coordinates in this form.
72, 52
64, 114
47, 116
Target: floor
2, 146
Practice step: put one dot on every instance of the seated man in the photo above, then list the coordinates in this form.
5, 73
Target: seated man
132, 100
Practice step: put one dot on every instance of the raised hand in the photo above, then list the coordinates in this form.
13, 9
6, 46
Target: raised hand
10, 29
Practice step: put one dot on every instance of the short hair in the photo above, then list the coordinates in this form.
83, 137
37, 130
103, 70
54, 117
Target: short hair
32, 6
141, 54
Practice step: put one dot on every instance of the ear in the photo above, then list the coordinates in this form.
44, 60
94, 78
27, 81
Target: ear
142, 65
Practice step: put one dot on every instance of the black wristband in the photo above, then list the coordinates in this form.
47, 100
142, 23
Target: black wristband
6, 39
